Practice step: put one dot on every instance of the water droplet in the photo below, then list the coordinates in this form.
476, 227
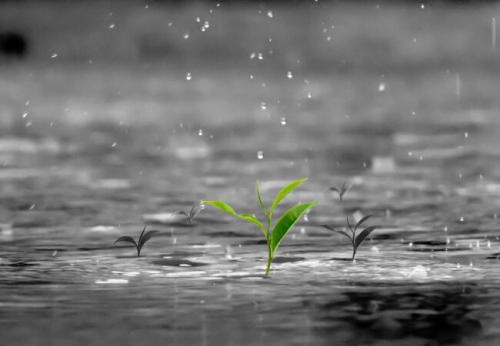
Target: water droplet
186, 36
200, 132
309, 95
114, 145
260, 154
188, 76
381, 87
252, 55
198, 19
263, 106
270, 14
422, 6
112, 26
283, 121
462, 219
410, 245
25, 114
466, 134
54, 55
289, 75
260, 56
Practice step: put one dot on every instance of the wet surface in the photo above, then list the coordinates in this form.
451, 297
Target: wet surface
87, 165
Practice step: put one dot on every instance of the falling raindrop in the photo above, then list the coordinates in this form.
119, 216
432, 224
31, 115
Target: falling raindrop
114, 145
381, 87
289, 75
493, 33
466, 134
186, 36
309, 95
462, 219
458, 85
260, 56
54, 55
270, 14
200, 132
188, 76
111, 26
263, 106
260, 154
283, 121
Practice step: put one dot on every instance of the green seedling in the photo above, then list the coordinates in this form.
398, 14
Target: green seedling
143, 238
356, 240
273, 234
341, 190
193, 213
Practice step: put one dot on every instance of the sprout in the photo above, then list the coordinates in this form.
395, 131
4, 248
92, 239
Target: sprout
274, 235
356, 240
143, 238
193, 213
341, 191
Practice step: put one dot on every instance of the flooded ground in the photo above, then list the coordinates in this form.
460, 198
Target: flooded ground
89, 151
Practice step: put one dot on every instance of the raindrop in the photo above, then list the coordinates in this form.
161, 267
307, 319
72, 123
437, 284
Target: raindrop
200, 132
306, 218
25, 114
263, 106
198, 19
462, 219
260, 154
54, 55
289, 75
111, 26
260, 57
488, 244
381, 87
283, 121
114, 145
410, 245
186, 36
466, 134
229, 252
188, 76
252, 55
270, 14
309, 95
422, 6
493, 33
458, 85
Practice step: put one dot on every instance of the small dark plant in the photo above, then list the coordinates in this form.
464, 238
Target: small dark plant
274, 235
356, 239
341, 190
143, 238
193, 213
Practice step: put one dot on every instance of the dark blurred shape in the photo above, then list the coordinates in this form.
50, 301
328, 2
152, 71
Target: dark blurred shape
13, 45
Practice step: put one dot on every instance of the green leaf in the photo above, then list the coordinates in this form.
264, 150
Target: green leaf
126, 239
145, 237
366, 232
222, 206
252, 219
259, 198
330, 228
284, 192
287, 221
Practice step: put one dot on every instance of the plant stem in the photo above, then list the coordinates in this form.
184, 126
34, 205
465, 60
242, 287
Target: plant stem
268, 266
138, 252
